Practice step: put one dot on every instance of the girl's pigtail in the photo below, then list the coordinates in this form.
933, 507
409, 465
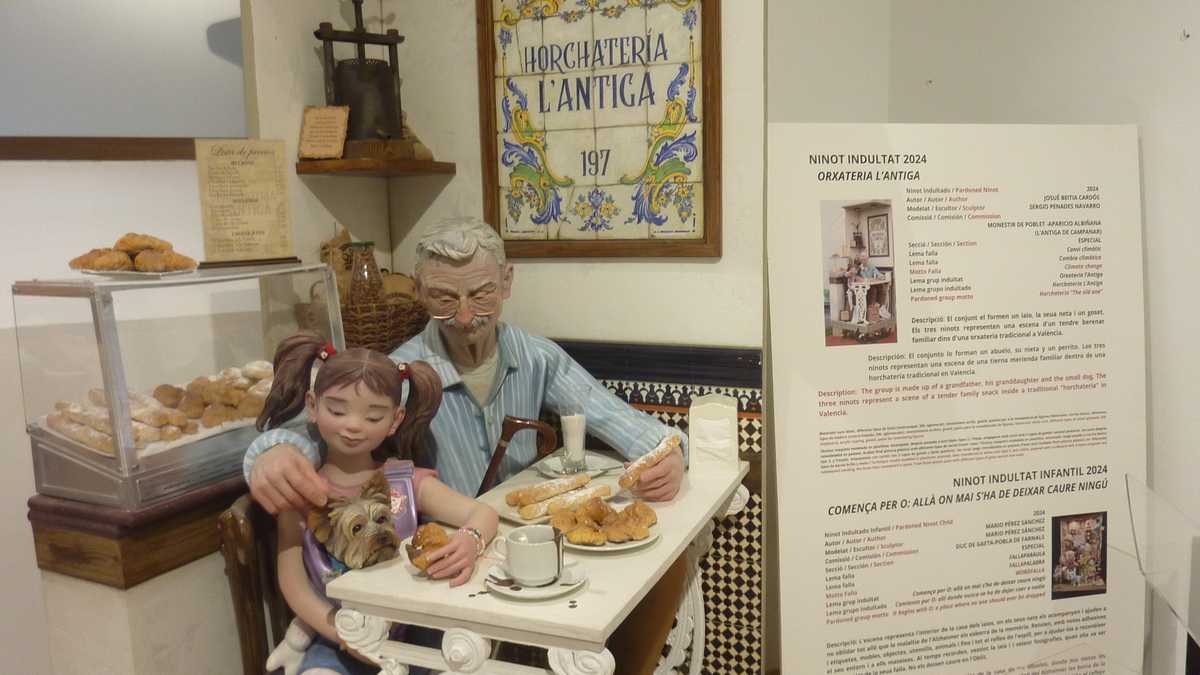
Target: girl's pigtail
293, 374
424, 397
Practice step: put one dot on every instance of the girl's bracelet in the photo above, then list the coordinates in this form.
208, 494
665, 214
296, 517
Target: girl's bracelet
478, 536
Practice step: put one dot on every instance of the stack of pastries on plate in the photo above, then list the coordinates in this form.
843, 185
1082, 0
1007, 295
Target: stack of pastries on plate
170, 412
134, 252
597, 523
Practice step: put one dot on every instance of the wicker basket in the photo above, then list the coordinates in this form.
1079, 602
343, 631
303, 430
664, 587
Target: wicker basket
382, 326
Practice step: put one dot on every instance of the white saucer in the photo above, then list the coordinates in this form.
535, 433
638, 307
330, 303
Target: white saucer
623, 546
597, 463
573, 577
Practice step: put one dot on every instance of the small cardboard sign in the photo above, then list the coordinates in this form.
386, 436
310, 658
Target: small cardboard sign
323, 131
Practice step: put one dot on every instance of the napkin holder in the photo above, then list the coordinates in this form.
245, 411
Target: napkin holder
713, 433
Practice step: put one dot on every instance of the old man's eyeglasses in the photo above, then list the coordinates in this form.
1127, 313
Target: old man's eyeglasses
444, 304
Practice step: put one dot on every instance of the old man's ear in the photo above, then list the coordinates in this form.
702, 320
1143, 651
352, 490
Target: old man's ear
506, 279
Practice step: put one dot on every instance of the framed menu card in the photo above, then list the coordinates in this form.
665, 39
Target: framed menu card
243, 200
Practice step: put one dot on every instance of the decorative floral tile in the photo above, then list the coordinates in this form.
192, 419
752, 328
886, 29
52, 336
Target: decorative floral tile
619, 226
679, 210
516, 221
581, 199
625, 149
679, 83
515, 46
518, 105
679, 27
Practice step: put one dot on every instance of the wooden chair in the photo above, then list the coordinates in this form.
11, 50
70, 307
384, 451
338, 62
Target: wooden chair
248, 545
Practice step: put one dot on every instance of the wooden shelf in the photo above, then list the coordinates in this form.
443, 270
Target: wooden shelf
379, 168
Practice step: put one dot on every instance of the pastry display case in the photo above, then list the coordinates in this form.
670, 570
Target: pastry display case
138, 388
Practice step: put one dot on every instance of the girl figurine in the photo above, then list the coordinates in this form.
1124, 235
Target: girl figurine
357, 403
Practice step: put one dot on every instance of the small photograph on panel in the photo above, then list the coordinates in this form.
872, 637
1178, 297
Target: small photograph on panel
1079, 555
858, 254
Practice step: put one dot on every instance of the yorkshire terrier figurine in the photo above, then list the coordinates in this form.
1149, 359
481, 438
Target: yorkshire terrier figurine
355, 532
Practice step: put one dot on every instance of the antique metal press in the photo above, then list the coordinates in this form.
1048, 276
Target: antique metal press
370, 87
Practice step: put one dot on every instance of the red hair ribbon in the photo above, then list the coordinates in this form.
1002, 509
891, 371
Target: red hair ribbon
327, 350
403, 367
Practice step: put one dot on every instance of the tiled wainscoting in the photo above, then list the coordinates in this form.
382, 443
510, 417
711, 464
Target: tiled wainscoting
663, 381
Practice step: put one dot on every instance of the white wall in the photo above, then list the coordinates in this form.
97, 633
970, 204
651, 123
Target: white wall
121, 68
711, 302
827, 60
1076, 62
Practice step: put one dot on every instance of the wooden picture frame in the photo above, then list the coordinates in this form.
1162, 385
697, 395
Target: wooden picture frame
878, 236
575, 206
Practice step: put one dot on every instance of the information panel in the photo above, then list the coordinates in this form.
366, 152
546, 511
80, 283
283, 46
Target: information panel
958, 366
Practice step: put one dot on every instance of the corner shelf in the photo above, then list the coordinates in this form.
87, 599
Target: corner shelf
379, 168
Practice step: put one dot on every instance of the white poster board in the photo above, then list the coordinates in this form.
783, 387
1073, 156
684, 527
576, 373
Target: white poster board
954, 421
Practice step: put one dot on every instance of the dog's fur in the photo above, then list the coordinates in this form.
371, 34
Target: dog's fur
358, 530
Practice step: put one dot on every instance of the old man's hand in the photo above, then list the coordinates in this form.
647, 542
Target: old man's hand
660, 483
282, 479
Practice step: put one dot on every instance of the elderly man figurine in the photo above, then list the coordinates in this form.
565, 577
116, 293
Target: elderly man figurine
489, 369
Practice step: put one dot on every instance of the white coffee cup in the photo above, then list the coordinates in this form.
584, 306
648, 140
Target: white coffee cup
532, 554
574, 427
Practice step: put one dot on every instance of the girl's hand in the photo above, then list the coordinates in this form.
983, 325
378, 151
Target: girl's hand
455, 560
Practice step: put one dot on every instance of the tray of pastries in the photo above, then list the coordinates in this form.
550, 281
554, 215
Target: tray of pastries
171, 414
134, 255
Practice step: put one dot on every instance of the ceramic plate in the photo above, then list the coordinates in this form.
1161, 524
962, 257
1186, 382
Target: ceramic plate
623, 546
133, 274
551, 467
497, 582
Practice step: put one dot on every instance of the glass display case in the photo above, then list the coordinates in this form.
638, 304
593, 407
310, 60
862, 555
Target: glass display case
139, 389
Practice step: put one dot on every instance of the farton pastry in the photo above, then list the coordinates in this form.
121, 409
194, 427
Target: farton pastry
171, 432
573, 499
100, 442
192, 406
545, 490
102, 260
133, 243
216, 414
658, 454
162, 261
251, 406
191, 427
175, 417
258, 370
261, 388
169, 395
